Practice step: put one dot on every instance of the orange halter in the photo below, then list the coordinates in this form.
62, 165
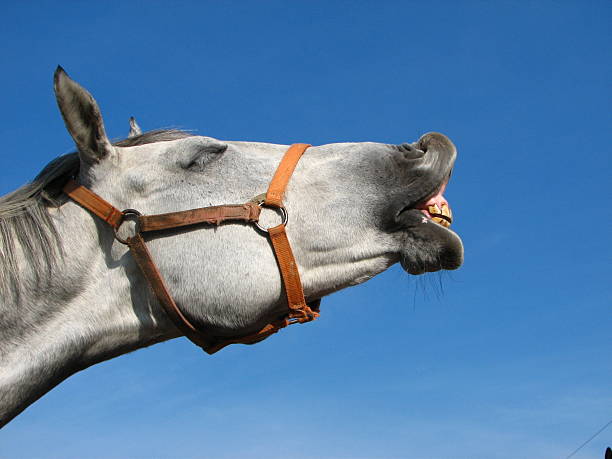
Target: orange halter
298, 310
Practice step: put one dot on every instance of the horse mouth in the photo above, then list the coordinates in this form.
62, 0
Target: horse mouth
430, 244
436, 208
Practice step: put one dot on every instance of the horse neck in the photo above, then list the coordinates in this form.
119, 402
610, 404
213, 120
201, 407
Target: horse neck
93, 307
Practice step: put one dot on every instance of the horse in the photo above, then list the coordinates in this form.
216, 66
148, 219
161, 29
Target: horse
73, 295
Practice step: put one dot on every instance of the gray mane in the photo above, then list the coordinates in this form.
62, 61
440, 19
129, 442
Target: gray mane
24, 217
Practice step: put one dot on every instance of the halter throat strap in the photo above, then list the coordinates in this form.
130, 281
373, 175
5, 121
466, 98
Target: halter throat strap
298, 310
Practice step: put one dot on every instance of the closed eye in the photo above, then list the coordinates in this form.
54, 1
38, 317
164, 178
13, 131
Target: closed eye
201, 157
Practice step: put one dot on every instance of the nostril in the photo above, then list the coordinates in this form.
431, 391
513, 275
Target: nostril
410, 151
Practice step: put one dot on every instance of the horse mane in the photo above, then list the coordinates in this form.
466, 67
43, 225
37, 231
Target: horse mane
24, 216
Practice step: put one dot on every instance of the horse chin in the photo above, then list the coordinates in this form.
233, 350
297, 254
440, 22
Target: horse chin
428, 246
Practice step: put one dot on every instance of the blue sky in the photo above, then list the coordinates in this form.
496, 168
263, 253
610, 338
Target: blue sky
509, 357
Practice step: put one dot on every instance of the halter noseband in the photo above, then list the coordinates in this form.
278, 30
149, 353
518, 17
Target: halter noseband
298, 310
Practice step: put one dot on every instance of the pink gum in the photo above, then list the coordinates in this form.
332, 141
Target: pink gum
438, 199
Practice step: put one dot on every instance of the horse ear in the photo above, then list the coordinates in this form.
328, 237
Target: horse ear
134, 128
82, 117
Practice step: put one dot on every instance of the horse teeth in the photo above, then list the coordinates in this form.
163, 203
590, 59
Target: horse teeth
434, 209
441, 221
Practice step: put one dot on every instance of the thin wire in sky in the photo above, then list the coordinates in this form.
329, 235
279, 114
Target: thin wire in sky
589, 440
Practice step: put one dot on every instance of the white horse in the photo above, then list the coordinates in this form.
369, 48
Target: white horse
72, 296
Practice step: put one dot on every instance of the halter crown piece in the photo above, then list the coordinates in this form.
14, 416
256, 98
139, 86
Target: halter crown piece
298, 310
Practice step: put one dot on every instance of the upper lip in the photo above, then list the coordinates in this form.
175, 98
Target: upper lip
431, 175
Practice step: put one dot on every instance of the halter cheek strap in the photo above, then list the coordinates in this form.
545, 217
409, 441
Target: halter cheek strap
298, 310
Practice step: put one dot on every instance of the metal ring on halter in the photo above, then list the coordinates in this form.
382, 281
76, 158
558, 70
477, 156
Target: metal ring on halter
284, 215
125, 213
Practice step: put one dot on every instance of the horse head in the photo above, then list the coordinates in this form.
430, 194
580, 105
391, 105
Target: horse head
354, 210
